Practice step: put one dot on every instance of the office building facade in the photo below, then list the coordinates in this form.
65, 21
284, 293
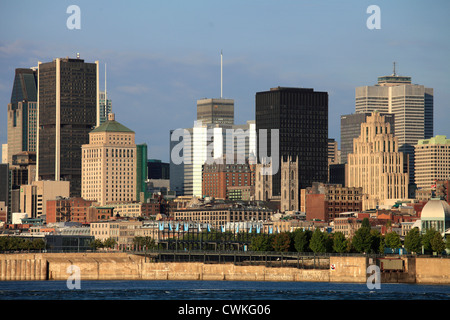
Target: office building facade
351, 129
109, 166
412, 105
22, 113
376, 165
432, 161
67, 112
301, 116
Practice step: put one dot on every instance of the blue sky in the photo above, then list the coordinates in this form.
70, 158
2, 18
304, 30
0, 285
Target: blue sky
162, 56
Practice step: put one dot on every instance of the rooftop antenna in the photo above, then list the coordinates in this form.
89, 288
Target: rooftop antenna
394, 71
221, 74
106, 104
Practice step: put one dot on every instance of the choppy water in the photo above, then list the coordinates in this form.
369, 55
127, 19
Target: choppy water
216, 290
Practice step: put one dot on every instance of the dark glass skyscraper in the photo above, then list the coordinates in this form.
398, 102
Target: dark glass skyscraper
22, 113
68, 101
301, 115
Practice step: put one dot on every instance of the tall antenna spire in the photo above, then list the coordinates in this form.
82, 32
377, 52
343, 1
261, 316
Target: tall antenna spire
394, 74
221, 74
105, 84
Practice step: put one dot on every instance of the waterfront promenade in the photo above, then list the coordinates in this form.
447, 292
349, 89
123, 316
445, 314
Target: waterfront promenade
166, 265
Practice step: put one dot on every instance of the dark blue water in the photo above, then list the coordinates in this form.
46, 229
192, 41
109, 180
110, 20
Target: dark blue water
216, 290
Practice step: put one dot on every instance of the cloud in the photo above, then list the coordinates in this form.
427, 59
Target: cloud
12, 49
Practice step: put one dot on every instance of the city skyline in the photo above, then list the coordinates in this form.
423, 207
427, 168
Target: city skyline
167, 56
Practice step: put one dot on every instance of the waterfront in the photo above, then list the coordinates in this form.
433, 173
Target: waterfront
217, 290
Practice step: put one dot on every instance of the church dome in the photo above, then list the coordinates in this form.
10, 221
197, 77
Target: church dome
436, 209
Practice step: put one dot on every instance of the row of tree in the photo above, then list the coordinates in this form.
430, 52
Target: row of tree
21, 244
365, 240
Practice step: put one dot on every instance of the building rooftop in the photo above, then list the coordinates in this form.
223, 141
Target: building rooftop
111, 126
439, 139
436, 209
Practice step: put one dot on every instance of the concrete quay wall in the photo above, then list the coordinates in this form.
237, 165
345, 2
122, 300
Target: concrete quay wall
123, 266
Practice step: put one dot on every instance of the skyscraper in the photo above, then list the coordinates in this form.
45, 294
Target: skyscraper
351, 129
412, 105
301, 116
67, 112
22, 113
432, 161
110, 164
105, 107
215, 111
376, 165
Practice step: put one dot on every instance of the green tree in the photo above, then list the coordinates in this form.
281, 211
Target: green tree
146, 242
109, 243
38, 244
301, 240
281, 242
365, 223
96, 244
362, 240
340, 244
378, 241
426, 240
437, 243
260, 243
319, 241
392, 240
413, 241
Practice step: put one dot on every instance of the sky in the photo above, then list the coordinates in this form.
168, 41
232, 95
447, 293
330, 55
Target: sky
162, 56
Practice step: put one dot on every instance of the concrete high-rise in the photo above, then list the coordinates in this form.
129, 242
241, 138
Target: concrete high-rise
412, 105
109, 166
301, 116
22, 113
215, 111
351, 129
213, 136
68, 97
376, 165
432, 161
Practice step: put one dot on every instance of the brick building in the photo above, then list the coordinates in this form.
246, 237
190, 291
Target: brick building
324, 202
217, 178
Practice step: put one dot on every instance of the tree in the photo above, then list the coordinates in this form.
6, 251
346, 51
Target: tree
378, 241
281, 242
365, 223
362, 240
413, 241
109, 243
318, 243
96, 244
426, 239
301, 240
392, 240
260, 243
146, 242
437, 243
340, 244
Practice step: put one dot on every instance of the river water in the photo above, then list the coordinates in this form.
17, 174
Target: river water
216, 290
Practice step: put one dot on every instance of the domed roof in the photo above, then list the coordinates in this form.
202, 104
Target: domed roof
436, 209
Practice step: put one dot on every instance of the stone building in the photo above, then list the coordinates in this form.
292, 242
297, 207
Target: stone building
376, 165
109, 161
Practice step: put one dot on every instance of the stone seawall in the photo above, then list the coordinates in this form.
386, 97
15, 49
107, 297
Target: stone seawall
123, 266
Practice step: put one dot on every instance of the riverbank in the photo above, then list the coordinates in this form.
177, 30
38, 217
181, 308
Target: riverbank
124, 266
